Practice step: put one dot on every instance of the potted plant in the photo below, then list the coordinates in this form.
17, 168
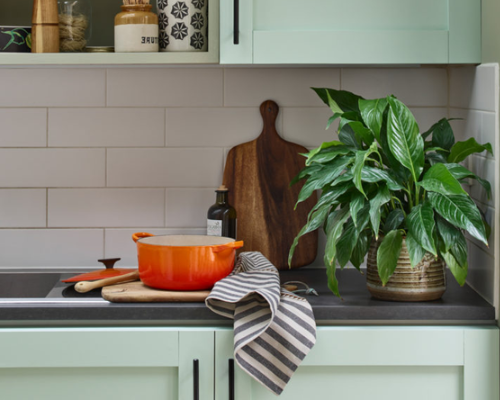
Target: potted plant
394, 193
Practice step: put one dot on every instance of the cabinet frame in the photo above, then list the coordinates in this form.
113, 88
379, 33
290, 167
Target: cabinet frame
460, 43
475, 349
209, 57
54, 348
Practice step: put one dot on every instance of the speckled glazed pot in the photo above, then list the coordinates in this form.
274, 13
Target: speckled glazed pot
425, 282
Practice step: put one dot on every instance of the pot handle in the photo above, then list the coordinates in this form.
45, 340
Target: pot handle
228, 246
140, 235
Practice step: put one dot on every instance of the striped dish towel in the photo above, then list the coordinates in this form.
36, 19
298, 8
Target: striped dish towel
273, 328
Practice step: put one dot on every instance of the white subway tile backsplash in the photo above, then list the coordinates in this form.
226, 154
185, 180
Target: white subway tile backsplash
51, 247
106, 127
427, 87
52, 167
165, 167
288, 87
52, 87
480, 125
489, 215
426, 117
23, 127
187, 208
195, 127
481, 273
306, 125
474, 87
105, 207
484, 168
23, 208
119, 242
165, 87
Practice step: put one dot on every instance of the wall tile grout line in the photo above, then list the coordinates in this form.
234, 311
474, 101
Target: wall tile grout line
47, 129
105, 87
47, 208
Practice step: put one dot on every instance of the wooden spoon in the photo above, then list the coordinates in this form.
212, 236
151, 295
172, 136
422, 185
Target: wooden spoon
84, 287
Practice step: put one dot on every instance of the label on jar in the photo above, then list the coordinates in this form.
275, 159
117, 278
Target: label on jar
136, 38
214, 227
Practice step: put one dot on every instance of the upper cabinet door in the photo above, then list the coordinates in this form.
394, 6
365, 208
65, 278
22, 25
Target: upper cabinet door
350, 31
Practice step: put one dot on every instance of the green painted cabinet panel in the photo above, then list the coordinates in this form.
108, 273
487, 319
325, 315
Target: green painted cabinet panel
105, 363
351, 32
437, 363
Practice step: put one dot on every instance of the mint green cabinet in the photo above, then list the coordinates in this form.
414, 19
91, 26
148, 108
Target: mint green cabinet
393, 363
105, 363
351, 32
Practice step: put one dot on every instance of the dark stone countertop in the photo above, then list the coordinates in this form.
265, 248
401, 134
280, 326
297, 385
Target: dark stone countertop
458, 306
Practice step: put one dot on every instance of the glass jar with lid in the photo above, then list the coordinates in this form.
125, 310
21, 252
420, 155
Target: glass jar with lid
75, 24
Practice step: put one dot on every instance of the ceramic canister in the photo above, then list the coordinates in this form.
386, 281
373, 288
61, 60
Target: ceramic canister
183, 25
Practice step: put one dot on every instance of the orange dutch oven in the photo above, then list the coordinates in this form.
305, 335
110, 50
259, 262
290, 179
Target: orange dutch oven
184, 262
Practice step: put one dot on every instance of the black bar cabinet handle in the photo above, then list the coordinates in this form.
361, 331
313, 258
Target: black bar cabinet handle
231, 379
236, 22
196, 379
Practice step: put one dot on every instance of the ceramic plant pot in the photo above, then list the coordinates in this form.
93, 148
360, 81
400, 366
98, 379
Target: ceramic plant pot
425, 282
183, 25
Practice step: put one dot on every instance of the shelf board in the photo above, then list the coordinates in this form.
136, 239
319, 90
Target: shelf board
109, 58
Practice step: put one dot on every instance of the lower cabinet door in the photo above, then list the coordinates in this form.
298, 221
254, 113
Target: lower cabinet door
106, 363
390, 363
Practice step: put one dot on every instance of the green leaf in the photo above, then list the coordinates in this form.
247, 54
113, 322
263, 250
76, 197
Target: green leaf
382, 197
359, 129
415, 251
420, 223
306, 171
359, 162
435, 158
330, 120
322, 177
356, 204
394, 220
461, 150
405, 142
28, 40
334, 229
460, 273
330, 195
372, 174
328, 155
361, 248
339, 101
442, 135
427, 133
461, 212
439, 179
388, 255
447, 232
460, 172
348, 137
333, 283
372, 112
316, 219
324, 145
350, 235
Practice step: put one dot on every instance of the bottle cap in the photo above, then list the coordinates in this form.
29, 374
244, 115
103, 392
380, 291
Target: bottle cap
222, 188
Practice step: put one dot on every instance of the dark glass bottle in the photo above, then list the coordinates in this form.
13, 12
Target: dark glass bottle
221, 217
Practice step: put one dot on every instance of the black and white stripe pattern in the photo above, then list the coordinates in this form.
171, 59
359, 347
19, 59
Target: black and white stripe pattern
273, 328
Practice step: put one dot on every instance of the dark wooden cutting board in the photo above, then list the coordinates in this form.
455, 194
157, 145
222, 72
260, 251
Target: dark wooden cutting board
258, 175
